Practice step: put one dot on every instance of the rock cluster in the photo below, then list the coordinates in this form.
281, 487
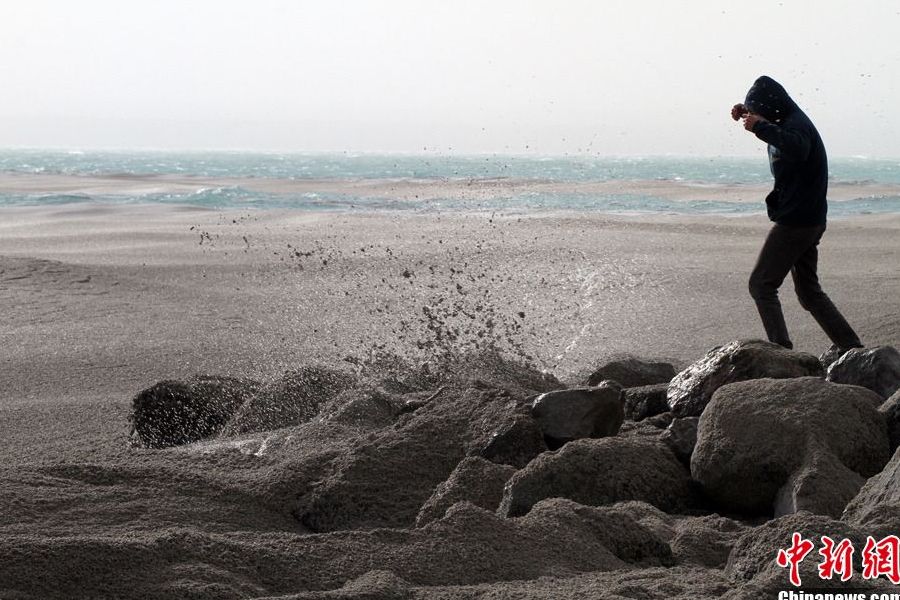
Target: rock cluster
633, 469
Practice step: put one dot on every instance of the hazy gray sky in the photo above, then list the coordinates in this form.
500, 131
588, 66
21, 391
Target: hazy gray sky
550, 77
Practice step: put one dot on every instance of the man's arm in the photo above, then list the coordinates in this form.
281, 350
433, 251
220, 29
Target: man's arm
793, 142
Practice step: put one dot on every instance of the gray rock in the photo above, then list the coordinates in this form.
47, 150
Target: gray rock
599, 472
566, 415
891, 411
755, 435
474, 480
822, 486
877, 505
691, 390
646, 401
515, 442
633, 372
833, 353
681, 437
875, 368
172, 413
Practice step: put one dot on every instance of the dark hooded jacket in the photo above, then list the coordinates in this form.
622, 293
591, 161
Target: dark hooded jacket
796, 156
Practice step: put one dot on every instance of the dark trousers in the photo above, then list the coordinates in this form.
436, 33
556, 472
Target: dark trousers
794, 250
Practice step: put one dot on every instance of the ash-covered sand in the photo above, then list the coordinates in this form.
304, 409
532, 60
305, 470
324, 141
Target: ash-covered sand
100, 302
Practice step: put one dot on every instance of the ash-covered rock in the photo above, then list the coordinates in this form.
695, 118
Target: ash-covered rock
293, 398
587, 412
875, 368
171, 413
515, 442
822, 486
362, 408
474, 480
603, 471
890, 409
877, 505
681, 437
633, 372
755, 435
641, 430
646, 401
691, 390
662, 420
694, 540
385, 478
620, 532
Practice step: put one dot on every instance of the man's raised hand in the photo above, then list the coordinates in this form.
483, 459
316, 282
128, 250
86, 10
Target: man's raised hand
738, 111
751, 119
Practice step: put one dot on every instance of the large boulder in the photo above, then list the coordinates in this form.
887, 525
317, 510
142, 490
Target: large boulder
875, 368
646, 401
877, 505
587, 412
293, 398
691, 390
596, 472
172, 413
474, 480
633, 372
755, 435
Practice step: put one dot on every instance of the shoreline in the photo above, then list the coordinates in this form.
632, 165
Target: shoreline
415, 189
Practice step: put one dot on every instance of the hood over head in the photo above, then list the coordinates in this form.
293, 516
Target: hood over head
768, 98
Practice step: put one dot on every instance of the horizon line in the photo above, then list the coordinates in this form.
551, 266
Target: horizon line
406, 153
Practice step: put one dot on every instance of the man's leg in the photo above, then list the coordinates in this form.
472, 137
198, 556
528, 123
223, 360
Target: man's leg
782, 248
817, 302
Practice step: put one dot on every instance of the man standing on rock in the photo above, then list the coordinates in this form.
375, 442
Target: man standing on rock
798, 207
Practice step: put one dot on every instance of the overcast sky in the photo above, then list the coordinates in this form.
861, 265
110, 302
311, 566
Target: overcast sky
635, 77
